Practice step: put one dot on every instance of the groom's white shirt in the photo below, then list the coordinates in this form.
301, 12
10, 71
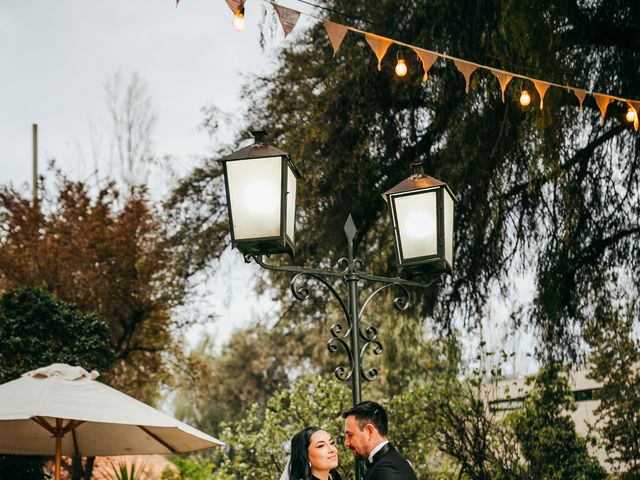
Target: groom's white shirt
376, 449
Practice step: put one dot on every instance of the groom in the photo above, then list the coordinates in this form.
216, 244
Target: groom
365, 429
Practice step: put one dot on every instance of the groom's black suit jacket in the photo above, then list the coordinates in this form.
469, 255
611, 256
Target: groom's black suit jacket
388, 464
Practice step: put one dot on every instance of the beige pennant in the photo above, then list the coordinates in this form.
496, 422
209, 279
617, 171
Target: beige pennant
466, 69
580, 94
603, 102
542, 90
635, 106
504, 78
379, 45
288, 17
235, 5
427, 58
336, 33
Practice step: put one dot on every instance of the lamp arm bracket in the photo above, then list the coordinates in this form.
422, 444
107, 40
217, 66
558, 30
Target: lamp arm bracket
303, 293
401, 302
400, 281
292, 268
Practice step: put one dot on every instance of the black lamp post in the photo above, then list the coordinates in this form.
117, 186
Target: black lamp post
260, 183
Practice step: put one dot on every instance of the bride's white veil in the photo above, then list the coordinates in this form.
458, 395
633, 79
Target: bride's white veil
285, 473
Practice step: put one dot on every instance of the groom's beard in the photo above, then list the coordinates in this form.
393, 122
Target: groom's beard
358, 456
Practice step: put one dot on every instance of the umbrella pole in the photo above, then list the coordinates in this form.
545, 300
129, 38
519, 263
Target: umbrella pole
58, 434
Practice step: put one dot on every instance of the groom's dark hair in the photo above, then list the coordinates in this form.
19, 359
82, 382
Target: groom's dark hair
369, 412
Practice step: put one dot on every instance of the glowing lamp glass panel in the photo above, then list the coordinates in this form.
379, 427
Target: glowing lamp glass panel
291, 203
417, 224
254, 196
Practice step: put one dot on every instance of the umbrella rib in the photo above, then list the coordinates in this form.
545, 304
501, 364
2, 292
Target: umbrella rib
75, 442
44, 424
71, 425
157, 439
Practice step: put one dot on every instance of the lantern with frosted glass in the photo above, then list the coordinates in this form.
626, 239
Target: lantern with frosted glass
422, 210
260, 182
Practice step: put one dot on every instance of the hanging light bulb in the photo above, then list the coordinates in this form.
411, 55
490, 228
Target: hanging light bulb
401, 66
239, 23
525, 98
631, 115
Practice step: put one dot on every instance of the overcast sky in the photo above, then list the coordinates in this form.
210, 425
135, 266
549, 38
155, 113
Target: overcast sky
55, 56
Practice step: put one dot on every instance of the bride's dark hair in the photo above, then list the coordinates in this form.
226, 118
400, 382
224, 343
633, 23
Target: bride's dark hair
299, 468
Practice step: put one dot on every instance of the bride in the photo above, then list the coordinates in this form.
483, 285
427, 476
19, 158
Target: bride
314, 456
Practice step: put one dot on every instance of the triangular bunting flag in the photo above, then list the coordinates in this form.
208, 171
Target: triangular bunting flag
466, 69
379, 45
580, 94
542, 89
635, 106
603, 102
336, 33
235, 5
504, 78
288, 17
427, 58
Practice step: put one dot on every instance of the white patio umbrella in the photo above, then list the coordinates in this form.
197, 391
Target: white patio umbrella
62, 410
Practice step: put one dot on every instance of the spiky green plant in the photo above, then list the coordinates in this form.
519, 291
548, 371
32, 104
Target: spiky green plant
124, 471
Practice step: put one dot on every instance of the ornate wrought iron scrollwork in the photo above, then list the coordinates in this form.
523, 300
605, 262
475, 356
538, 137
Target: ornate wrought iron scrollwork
303, 293
371, 374
349, 270
370, 334
341, 371
339, 334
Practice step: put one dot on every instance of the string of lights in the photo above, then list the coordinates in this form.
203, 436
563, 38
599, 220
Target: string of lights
380, 45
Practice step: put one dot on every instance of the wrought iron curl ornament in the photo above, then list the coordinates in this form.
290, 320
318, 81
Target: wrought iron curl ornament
369, 335
343, 266
349, 335
339, 334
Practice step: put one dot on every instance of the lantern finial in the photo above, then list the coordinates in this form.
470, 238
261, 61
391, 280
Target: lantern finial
259, 136
417, 168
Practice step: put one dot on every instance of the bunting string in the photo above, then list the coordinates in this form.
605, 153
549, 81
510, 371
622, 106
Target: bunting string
467, 68
336, 32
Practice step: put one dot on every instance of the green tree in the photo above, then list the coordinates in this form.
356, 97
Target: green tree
37, 329
258, 430
549, 191
103, 254
547, 434
259, 440
221, 387
482, 445
261, 359
614, 360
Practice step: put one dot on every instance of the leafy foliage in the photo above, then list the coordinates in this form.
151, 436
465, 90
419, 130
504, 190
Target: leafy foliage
482, 445
547, 434
189, 468
124, 471
260, 360
104, 255
614, 362
36, 330
221, 387
259, 436
258, 441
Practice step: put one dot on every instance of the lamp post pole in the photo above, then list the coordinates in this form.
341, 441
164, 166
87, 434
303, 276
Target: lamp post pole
349, 336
